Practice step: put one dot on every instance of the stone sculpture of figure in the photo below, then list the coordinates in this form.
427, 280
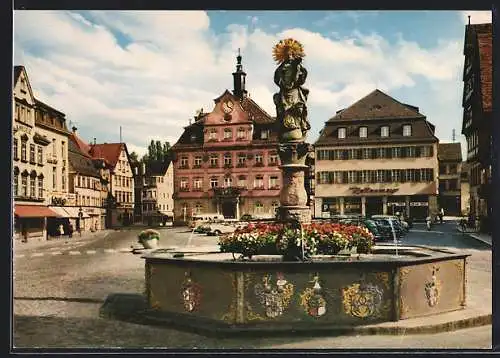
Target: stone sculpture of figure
291, 100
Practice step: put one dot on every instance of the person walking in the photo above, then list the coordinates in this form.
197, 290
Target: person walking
61, 230
441, 215
70, 230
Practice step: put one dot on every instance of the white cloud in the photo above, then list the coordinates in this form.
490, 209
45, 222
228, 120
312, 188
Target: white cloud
476, 17
163, 66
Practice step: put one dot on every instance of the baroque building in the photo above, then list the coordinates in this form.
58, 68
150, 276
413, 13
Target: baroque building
378, 156
226, 161
450, 174
477, 116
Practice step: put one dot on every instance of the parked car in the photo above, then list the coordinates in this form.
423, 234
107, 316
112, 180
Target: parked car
403, 224
385, 228
215, 229
202, 228
246, 217
373, 228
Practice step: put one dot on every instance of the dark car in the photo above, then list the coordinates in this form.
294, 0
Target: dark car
373, 228
385, 229
246, 217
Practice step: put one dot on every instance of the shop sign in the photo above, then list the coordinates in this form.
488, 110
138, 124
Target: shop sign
367, 190
419, 203
352, 206
396, 204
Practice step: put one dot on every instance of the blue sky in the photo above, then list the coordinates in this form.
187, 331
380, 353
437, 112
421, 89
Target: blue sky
149, 71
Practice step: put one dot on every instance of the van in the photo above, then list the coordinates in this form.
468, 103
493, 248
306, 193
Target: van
199, 219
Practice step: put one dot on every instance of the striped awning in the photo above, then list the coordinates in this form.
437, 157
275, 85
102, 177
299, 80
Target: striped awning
33, 211
60, 212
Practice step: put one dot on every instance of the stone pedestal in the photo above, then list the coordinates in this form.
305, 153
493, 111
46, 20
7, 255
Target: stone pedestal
293, 195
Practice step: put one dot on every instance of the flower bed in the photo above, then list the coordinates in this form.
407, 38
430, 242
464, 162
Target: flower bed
274, 239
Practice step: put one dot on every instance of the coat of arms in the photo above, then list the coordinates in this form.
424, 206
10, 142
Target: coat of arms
432, 289
312, 299
190, 293
275, 298
362, 300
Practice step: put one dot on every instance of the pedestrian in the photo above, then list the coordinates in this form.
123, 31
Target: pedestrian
441, 215
61, 230
78, 228
70, 230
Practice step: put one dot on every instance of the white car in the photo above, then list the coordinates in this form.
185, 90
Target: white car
217, 229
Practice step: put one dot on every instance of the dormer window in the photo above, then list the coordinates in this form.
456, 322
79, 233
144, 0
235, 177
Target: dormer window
341, 133
228, 133
363, 132
264, 134
384, 131
407, 130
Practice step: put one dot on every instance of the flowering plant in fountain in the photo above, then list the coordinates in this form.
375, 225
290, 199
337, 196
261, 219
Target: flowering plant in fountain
149, 234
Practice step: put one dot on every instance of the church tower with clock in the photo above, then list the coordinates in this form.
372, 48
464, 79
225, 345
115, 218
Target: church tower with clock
226, 162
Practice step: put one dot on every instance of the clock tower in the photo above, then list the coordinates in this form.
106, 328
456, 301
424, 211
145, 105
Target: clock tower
239, 79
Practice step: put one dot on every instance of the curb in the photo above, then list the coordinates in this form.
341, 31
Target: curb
133, 308
475, 237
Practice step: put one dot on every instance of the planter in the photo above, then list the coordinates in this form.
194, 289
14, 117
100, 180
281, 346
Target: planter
149, 243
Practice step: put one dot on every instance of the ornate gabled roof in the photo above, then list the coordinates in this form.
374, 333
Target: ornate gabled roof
255, 112
377, 105
107, 151
450, 152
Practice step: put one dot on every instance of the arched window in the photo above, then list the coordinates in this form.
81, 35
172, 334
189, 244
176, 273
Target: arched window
16, 181
24, 183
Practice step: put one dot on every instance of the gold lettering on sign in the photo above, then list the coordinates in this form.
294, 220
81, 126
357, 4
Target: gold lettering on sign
367, 190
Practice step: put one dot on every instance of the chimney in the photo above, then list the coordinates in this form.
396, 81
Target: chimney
74, 129
94, 141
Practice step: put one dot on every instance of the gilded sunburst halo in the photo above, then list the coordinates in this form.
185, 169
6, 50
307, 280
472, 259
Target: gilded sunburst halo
287, 48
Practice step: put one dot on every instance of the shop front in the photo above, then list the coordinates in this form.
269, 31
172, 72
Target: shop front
397, 204
330, 207
352, 206
419, 207
374, 205
30, 222
57, 226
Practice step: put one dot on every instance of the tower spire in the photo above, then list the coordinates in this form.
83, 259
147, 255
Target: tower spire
239, 78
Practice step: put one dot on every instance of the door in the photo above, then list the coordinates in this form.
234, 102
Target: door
229, 210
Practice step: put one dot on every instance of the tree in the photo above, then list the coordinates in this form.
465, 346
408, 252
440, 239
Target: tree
134, 157
152, 150
157, 152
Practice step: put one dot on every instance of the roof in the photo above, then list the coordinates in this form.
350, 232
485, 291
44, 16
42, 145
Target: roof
33, 211
82, 145
450, 152
17, 72
108, 151
81, 162
255, 112
157, 168
46, 106
377, 105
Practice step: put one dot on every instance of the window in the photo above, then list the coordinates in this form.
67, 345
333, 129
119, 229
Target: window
341, 133
324, 178
396, 152
197, 162
379, 176
15, 149
427, 151
274, 206
228, 182
395, 175
16, 184
273, 182
214, 183
54, 147
241, 133
384, 131
411, 152
273, 159
62, 150
242, 181
241, 159
365, 177
381, 153
407, 130
197, 184
40, 155
258, 159
259, 182
363, 132
228, 133
184, 162
366, 152
32, 187
264, 134
198, 208
227, 159
63, 179
212, 135
214, 159
54, 178
23, 149
452, 169
259, 208
24, 186
351, 177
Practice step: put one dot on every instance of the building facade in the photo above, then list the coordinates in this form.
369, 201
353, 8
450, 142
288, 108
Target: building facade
157, 189
477, 117
378, 156
464, 189
120, 201
450, 170
30, 181
88, 183
226, 161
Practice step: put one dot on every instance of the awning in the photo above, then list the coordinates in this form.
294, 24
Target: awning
60, 211
75, 211
33, 211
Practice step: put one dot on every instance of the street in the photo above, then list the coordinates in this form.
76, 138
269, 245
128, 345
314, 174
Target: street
60, 286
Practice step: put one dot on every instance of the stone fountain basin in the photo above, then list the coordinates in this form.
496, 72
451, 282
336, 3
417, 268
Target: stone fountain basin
329, 291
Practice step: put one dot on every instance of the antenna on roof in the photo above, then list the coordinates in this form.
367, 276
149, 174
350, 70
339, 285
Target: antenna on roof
453, 135
469, 19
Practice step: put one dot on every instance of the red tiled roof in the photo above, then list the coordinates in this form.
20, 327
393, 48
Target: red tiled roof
108, 151
33, 211
255, 112
486, 68
84, 147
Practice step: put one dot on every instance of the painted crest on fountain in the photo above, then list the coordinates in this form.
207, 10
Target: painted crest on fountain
276, 297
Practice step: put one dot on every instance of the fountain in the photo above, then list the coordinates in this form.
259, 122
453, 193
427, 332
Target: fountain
299, 290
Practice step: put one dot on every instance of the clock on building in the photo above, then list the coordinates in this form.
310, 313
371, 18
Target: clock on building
227, 107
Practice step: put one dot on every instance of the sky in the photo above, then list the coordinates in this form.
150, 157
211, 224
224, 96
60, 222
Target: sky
150, 71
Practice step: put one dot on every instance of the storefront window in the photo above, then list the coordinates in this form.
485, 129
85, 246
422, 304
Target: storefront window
352, 205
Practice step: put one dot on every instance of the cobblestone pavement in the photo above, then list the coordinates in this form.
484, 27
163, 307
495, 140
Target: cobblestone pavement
57, 300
